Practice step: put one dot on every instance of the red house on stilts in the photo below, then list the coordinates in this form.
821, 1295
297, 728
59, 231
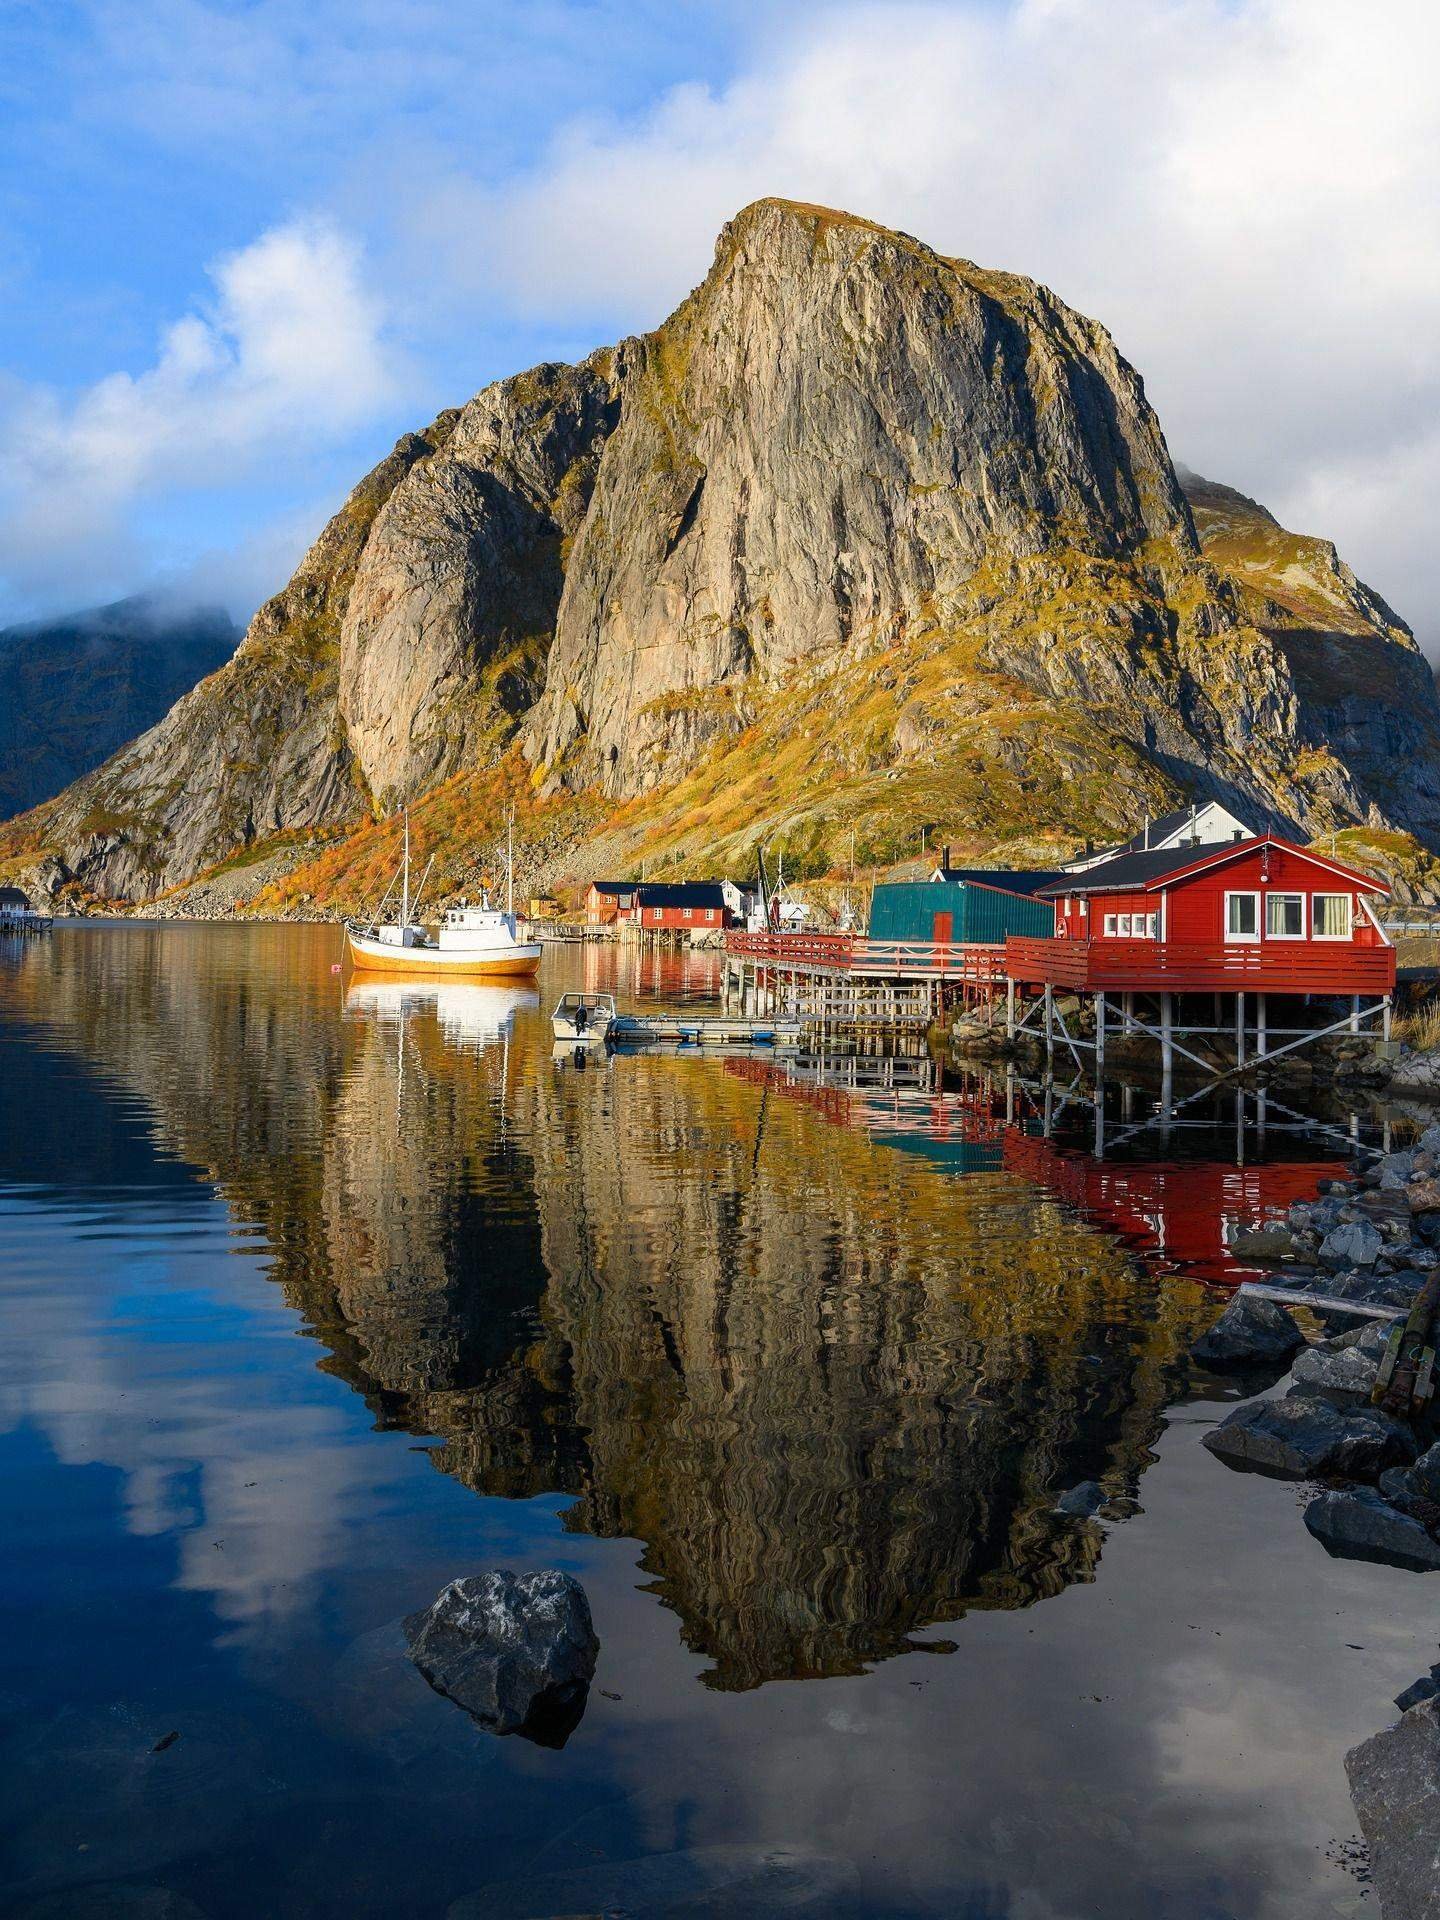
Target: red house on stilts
1253, 918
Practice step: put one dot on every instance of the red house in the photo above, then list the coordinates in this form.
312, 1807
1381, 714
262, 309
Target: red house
689, 905
1258, 915
608, 901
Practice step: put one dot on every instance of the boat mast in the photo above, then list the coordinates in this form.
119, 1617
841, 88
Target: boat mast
510, 865
405, 882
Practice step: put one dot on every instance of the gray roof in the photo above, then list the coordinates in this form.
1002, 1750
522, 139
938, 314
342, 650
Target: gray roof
681, 893
1027, 880
1128, 871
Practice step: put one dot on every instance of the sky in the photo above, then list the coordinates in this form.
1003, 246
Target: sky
244, 244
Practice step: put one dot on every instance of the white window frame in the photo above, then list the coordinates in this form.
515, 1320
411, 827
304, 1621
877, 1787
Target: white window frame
1084, 908
1243, 939
1349, 933
1110, 926
1285, 893
688, 912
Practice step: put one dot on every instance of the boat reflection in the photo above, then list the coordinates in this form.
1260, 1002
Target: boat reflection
468, 1013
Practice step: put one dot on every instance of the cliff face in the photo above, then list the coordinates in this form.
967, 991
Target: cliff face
862, 539
816, 454
257, 748
72, 690
448, 624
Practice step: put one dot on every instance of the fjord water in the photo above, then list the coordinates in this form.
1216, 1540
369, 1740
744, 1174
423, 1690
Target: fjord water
317, 1293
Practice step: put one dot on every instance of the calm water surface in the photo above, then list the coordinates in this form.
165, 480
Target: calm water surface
314, 1297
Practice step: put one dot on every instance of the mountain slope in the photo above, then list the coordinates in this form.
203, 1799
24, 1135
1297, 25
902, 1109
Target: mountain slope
861, 541
74, 689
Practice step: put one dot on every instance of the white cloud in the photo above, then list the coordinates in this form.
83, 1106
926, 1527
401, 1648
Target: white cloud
288, 346
1242, 190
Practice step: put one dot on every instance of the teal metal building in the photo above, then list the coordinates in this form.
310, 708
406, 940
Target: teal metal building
973, 906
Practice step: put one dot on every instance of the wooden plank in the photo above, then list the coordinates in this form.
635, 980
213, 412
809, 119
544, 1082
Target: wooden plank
1320, 1302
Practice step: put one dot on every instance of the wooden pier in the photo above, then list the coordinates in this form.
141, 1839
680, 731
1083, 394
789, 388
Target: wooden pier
732, 1030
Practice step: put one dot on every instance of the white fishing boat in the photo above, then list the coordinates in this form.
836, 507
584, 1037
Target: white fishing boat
479, 940
582, 1018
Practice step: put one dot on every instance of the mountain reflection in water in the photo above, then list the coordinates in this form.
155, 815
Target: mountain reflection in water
832, 1389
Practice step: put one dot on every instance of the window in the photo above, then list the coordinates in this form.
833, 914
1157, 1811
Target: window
1124, 926
1332, 917
688, 914
1147, 925
1285, 916
1109, 926
1242, 916
709, 913
1084, 907
1069, 906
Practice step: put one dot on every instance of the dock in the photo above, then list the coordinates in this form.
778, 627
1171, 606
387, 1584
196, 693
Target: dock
726, 1030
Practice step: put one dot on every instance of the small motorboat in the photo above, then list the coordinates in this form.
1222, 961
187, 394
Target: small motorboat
580, 1018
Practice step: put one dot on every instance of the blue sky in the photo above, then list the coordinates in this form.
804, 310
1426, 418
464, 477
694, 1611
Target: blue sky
245, 243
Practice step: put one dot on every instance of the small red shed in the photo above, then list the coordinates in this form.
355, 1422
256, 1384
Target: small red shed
1259, 912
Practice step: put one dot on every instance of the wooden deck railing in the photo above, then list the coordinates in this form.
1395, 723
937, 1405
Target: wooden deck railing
1104, 966
887, 959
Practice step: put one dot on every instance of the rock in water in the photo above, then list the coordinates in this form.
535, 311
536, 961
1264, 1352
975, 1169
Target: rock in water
516, 1651
1343, 1375
1395, 1784
1299, 1437
1358, 1525
1250, 1333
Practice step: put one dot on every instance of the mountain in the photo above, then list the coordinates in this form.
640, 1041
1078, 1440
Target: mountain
74, 689
861, 542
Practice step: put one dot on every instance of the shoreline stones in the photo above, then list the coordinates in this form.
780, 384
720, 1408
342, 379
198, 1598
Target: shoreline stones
1250, 1333
1356, 1523
1302, 1437
516, 1651
1395, 1785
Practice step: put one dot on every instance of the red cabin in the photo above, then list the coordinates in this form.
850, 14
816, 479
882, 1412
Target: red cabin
689, 905
1256, 914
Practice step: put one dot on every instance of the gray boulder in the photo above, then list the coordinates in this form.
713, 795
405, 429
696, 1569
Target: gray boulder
1270, 1242
1356, 1524
1342, 1375
1355, 1243
1249, 1333
1300, 1438
1395, 1784
1395, 1169
516, 1651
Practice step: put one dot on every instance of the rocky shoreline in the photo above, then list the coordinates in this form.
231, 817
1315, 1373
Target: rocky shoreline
1373, 1240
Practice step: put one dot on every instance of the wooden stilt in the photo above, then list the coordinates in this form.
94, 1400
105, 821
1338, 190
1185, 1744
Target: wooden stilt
1239, 1029
1099, 1036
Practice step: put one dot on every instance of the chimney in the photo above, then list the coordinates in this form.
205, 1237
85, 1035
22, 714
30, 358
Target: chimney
1147, 833
945, 857
1239, 834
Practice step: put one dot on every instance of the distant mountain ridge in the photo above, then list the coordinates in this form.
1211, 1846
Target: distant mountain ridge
863, 542
76, 687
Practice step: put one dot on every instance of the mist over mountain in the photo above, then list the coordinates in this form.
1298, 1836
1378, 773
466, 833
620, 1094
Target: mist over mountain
76, 687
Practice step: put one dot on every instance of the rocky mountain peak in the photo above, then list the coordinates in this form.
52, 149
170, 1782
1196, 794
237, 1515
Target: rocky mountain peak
861, 539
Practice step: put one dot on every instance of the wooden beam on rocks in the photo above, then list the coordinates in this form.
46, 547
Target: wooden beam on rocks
1321, 1302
